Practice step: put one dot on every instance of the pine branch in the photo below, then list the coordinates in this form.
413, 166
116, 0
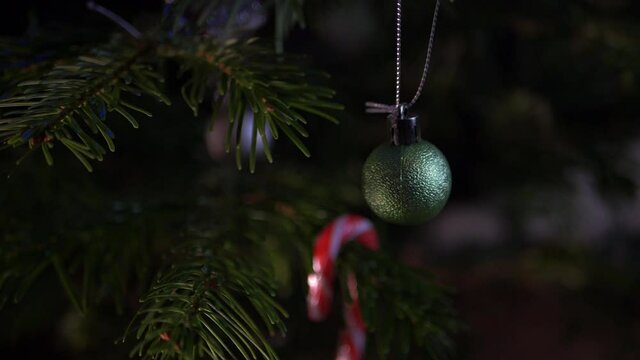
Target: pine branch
66, 101
250, 76
102, 257
94, 264
108, 248
73, 99
20, 61
195, 17
29, 57
422, 317
289, 13
200, 307
20, 267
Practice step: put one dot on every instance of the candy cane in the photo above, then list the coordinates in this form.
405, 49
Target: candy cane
327, 246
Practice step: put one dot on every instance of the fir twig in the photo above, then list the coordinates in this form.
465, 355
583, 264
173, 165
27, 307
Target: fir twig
69, 101
73, 99
252, 77
422, 318
197, 308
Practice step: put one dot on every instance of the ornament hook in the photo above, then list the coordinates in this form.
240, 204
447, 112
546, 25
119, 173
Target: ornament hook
402, 111
404, 127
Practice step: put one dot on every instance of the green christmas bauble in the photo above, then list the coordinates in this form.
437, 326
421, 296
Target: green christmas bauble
406, 184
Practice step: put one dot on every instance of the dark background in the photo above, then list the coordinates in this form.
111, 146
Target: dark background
534, 103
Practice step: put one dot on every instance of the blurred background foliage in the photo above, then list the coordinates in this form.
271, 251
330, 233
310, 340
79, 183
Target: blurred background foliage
535, 104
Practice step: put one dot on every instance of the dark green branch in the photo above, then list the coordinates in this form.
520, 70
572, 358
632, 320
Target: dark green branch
253, 78
73, 98
197, 309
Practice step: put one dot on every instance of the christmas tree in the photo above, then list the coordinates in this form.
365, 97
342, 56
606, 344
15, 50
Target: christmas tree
168, 166
195, 256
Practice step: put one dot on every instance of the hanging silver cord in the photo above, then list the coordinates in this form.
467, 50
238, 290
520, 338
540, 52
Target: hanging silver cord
398, 52
425, 71
373, 107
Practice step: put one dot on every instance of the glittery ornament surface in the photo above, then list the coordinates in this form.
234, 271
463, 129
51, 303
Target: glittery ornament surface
406, 184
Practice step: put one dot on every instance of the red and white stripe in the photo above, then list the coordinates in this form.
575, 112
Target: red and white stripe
327, 246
